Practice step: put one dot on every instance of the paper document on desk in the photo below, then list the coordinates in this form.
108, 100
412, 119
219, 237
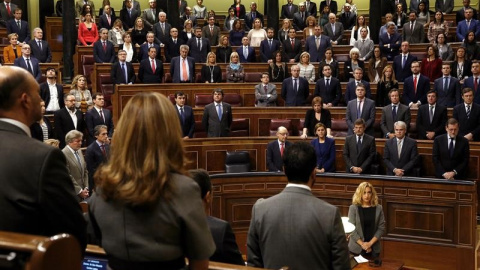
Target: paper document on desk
360, 259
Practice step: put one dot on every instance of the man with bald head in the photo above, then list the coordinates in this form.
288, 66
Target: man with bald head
39, 200
276, 149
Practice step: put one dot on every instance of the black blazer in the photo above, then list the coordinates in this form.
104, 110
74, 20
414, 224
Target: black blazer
129, 21
292, 53
311, 121
348, 70
207, 74
224, 238
333, 65
438, 122
43, 55
135, 54
444, 163
241, 14
117, 75
223, 54
145, 72
101, 56
199, 54
467, 69
266, 53
331, 95
408, 157
37, 132
103, 21
94, 158
93, 119
63, 124
23, 32
172, 49
468, 124
288, 12
274, 159
45, 94
362, 159
188, 126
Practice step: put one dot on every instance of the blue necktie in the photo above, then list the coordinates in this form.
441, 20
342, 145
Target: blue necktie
445, 84
394, 113
219, 112
124, 71
295, 87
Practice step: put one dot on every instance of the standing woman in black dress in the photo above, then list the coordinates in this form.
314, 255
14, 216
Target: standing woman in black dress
224, 50
277, 70
387, 83
317, 114
211, 72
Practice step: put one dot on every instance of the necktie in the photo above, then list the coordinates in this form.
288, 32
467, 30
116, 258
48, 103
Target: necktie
270, 43
40, 45
348, 15
182, 115
211, 30
411, 27
29, 67
130, 13
19, 25
219, 112
124, 72
102, 147
404, 60
163, 28
394, 113
153, 66
475, 84
359, 108
317, 42
9, 11
101, 116
431, 113
468, 111
245, 52
415, 84
327, 85
109, 20
295, 85
468, 24
445, 84
104, 46
199, 44
78, 159
253, 15
293, 43
333, 28
184, 70
281, 149
265, 88
399, 147
301, 14
359, 144
451, 147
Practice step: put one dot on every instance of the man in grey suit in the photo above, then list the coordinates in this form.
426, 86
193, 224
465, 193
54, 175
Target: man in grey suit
413, 31
361, 107
149, 15
400, 154
359, 150
392, 113
37, 195
282, 224
77, 167
176, 67
217, 116
6, 12
334, 30
265, 92
211, 32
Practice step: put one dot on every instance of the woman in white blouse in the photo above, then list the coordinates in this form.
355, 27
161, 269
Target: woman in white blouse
257, 34
353, 7
356, 30
199, 10
129, 48
307, 70
115, 35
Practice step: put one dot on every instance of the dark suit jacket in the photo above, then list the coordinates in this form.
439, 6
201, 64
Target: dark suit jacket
467, 71
460, 15
406, 71
37, 132
292, 97
224, 238
274, 159
333, 6
249, 19
176, 65
241, 13
350, 90
94, 158
438, 122
93, 119
368, 114
188, 125
362, 159
311, 9
4, 17
145, 72
45, 94
445, 8
408, 157
251, 58
415, 36
292, 53
299, 23
64, 123
199, 54
171, 49
40, 200
214, 126
101, 56
348, 23
462, 29
44, 55
348, 69
161, 37
288, 12
387, 121
23, 32
395, 41
331, 95
143, 52
37, 73
452, 96
468, 124
317, 55
338, 35
129, 21
471, 84
117, 75
103, 21
442, 160
266, 53
409, 95
206, 74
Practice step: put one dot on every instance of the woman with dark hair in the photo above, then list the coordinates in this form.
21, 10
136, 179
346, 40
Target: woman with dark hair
236, 34
211, 72
144, 185
230, 20
200, 10
42, 129
223, 50
437, 26
432, 65
444, 49
277, 69
87, 31
355, 35
471, 46
324, 150
423, 15
317, 114
461, 67
387, 83
239, 8
329, 60
399, 18
376, 65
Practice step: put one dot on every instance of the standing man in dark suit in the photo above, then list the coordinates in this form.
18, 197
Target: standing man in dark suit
188, 16
467, 114
288, 10
276, 149
415, 88
151, 69
246, 53
331, 3
143, 54
390, 42
217, 116
348, 18
251, 16
161, 29
122, 72
39, 200
128, 15
400, 154
211, 32
185, 114
413, 31
96, 154
295, 89
402, 63
103, 49
451, 153
135, 5
182, 68
199, 47
172, 46
40, 48
107, 18
223, 236
361, 107
328, 88
7, 10
311, 8
473, 81
334, 30
447, 88
431, 118
350, 91
292, 47
317, 44
67, 119
149, 15
29, 63
17, 25
445, 6
51, 92
269, 46
182, 5
76, 165
98, 116
275, 226
300, 17
393, 113
359, 150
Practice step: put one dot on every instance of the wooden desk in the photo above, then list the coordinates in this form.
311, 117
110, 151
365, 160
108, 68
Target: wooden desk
386, 265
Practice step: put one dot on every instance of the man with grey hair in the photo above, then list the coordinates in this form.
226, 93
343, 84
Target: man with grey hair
333, 29
40, 48
172, 46
97, 153
103, 49
161, 29
182, 68
390, 42
68, 118
76, 165
400, 155
276, 149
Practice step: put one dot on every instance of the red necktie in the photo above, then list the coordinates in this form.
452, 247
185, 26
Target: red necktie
103, 150
104, 46
8, 9
281, 149
153, 66
293, 44
415, 84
